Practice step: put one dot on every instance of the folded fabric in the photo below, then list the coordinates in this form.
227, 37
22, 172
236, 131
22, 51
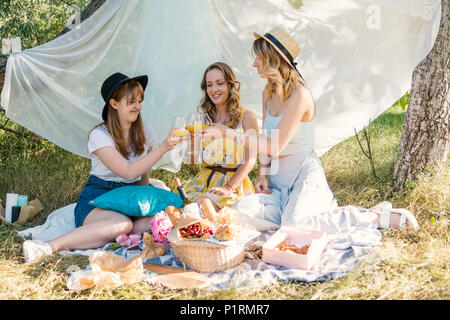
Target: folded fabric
137, 201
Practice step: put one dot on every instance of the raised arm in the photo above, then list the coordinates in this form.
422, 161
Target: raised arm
112, 159
250, 126
300, 107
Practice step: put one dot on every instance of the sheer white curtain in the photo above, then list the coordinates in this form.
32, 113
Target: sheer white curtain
357, 58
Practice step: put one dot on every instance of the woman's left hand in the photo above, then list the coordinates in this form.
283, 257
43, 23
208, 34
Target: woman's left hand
220, 191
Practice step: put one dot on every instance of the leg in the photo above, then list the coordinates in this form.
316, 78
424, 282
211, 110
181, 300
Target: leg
262, 211
310, 196
100, 227
142, 224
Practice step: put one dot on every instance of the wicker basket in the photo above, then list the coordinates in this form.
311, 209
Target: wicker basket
203, 256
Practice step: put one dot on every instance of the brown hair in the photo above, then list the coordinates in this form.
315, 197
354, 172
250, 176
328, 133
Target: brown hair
234, 108
282, 79
130, 90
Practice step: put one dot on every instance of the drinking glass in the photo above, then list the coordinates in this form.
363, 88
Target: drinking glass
195, 122
178, 123
195, 127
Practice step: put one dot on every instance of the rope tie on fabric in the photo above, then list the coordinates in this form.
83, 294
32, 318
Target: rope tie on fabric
217, 169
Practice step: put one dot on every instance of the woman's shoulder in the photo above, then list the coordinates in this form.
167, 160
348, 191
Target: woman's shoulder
248, 114
99, 130
301, 96
99, 137
249, 120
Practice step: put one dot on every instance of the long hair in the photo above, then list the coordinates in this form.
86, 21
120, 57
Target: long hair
130, 90
282, 79
234, 108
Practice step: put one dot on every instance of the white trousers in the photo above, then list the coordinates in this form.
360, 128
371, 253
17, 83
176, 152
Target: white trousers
299, 190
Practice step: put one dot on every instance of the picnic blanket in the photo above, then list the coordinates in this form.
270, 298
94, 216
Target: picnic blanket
351, 236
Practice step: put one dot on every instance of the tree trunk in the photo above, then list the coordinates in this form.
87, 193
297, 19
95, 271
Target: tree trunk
424, 143
85, 13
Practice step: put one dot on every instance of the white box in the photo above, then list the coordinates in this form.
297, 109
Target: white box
317, 240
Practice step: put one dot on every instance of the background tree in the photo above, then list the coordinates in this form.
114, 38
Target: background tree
424, 142
33, 21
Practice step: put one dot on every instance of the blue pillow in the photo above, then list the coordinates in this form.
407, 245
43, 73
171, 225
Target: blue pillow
137, 201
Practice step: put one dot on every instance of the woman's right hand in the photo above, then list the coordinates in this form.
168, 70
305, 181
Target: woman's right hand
262, 186
171, 141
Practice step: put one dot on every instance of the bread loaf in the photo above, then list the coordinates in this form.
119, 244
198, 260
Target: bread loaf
174, 214
208, 210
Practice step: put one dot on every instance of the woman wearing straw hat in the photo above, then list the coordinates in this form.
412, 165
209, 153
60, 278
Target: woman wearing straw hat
122, 151
296, 192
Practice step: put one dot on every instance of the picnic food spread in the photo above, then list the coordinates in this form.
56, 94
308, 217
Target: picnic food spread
192, 228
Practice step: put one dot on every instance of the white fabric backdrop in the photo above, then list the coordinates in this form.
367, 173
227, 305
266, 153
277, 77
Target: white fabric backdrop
357, 57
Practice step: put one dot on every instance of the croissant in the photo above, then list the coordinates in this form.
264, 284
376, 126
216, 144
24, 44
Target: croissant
227, 215
227, 232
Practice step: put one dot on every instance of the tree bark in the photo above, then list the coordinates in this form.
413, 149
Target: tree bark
424, 144
85, 13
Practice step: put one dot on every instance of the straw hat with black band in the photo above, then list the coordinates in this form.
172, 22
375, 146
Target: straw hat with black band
112, 83
285, 45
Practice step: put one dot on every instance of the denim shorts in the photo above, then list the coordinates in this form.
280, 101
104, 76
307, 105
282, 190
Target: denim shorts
94, 188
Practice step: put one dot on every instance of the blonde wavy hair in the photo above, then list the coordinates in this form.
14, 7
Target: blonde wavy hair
234, 109
282, 78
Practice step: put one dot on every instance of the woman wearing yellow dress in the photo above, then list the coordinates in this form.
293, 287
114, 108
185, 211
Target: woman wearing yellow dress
223, 177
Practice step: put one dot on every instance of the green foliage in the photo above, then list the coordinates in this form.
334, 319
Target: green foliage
296, 4
35, 21
403, 101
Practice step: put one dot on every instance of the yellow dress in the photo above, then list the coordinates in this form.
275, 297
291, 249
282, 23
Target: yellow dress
220, 160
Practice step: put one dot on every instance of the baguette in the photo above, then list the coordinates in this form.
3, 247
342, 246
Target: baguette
208, 210
174, 214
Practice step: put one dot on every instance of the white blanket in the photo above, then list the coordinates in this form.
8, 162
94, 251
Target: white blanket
351, 237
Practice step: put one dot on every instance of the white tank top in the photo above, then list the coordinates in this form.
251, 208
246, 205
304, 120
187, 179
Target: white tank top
303, 138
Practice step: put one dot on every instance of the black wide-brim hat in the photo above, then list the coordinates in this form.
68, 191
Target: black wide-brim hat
113, 82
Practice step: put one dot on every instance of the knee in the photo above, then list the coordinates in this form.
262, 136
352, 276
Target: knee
124, 226
199, 199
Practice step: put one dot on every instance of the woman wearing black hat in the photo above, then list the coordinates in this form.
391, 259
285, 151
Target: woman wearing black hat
122, 152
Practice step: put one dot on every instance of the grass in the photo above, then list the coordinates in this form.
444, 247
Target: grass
409, 265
